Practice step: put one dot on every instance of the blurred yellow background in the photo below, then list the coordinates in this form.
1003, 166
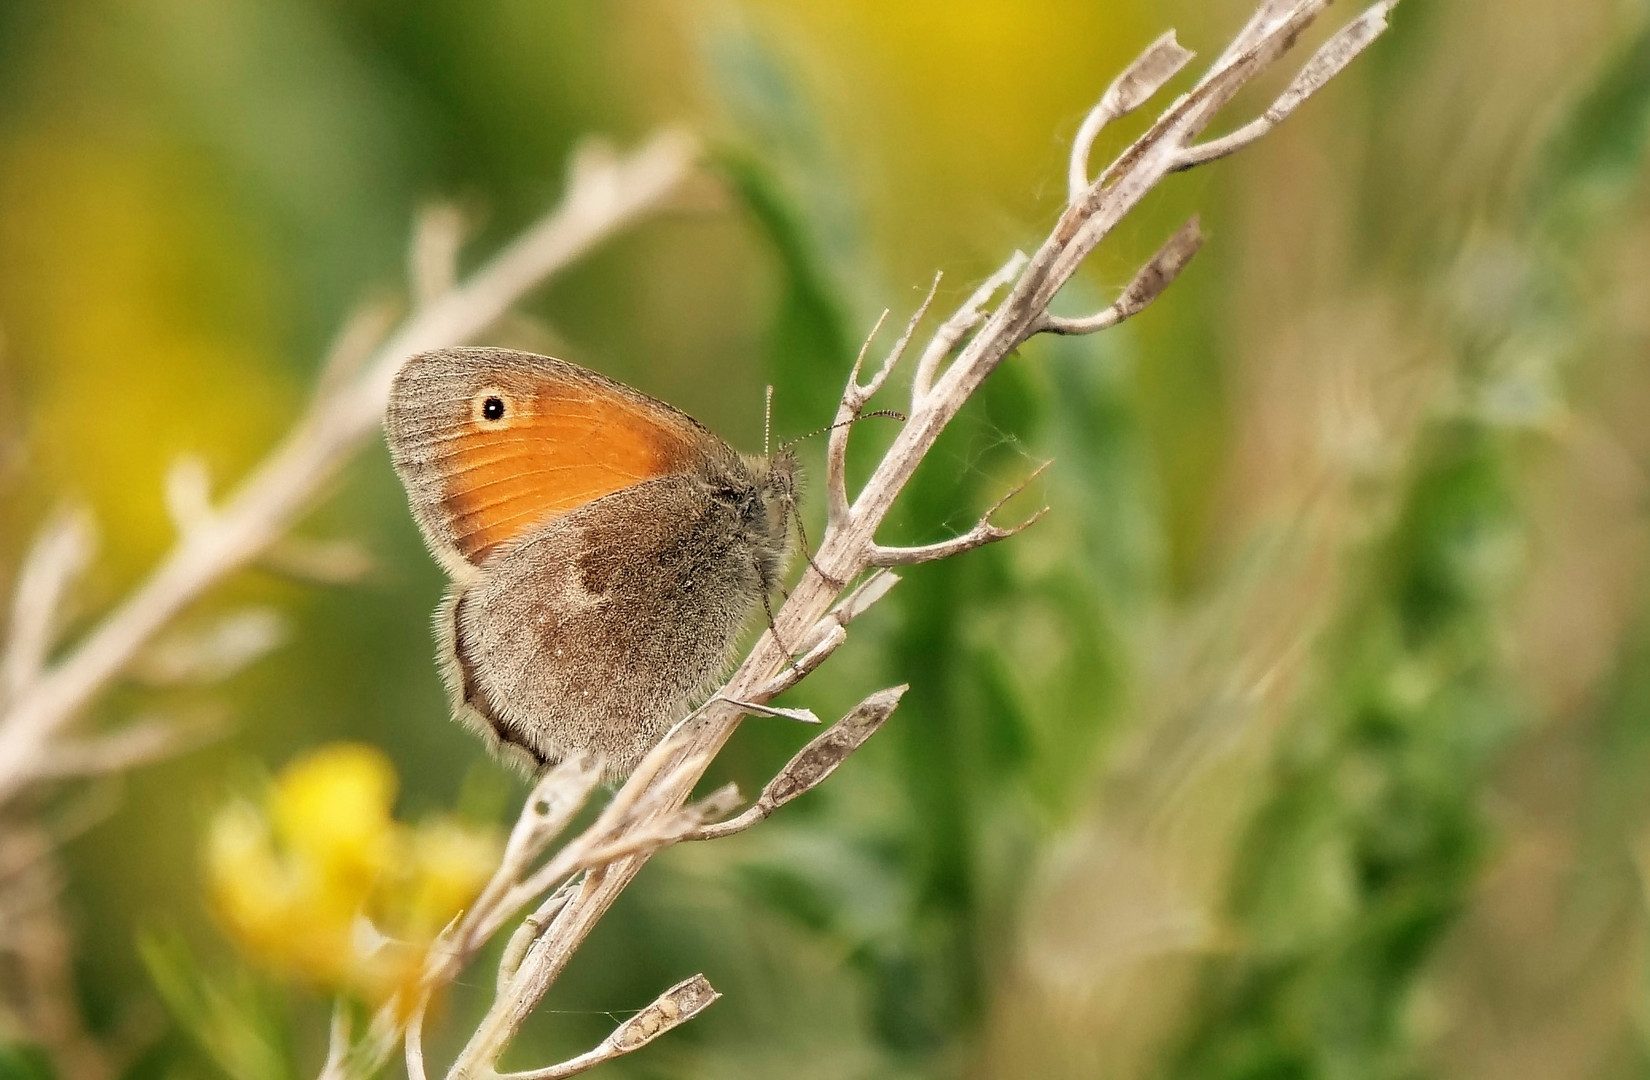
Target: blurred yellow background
1305, 738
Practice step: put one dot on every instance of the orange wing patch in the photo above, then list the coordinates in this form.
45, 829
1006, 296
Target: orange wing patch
548, 453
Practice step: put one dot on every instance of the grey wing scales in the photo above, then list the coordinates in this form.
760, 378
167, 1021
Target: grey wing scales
598, 631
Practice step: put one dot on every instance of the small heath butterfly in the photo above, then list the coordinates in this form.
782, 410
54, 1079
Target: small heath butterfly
605, 549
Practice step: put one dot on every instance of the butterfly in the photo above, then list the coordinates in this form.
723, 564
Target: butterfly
605, 549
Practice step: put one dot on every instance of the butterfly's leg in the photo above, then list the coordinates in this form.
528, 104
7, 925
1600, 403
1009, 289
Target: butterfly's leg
767, 609
802, 538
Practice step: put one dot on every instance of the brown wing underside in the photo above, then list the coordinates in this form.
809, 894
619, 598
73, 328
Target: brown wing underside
599, 630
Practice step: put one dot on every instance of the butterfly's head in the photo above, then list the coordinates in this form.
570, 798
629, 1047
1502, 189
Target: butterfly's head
769, 508
780, 478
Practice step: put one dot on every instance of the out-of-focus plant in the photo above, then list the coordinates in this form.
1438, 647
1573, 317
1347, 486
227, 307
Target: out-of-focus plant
1379, 826
47, 685
317, 879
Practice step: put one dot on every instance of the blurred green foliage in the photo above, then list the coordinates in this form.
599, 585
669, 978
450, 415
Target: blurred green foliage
1304, 738
1383, 796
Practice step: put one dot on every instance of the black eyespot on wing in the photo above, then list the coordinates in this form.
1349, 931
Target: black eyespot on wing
493, 408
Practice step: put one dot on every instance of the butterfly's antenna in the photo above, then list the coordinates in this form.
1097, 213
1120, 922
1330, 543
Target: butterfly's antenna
890, 414
767, 419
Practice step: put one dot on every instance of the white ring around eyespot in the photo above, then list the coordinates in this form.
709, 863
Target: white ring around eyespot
478, 406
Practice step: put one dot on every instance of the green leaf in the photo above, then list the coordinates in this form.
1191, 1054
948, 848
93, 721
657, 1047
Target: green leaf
808, 340
25, 1061
1598, 155
239, 1024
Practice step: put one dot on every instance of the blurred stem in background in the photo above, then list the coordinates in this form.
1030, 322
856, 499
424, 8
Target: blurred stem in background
1376, 836
1344, 936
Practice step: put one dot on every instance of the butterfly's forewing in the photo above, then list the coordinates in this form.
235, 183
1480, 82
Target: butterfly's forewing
492, 443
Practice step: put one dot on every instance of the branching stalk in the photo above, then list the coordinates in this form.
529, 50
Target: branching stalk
957, 358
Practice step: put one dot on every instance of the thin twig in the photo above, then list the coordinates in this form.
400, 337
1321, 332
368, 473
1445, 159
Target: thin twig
338, 1043
830, 632
674, 1007
983, 533
414, 1041
1139, 82
1330, 59
1156, 276
432, 262
128, 746
527, 933
1155, 154
213, 652
353, 347
57, 557
321, 562
555, 799
816, 761
953, 330
188, 494
854, 399
836, 453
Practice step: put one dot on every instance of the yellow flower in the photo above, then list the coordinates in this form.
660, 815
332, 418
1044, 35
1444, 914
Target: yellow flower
332, 807
321, 882
451, 862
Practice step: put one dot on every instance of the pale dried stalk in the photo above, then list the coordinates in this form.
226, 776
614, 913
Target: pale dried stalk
37, 985
604, 193
1333, 56
633, 825
983, 533
57, 557
674, 1007
135, 743
854, 399
654, 797
812, 764
1138, 84
958, 326
1153, 278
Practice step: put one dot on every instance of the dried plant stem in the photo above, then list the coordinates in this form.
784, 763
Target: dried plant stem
604, 193
37, 988
652, 810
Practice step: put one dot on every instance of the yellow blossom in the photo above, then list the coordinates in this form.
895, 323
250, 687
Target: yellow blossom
332, 806
321, 882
